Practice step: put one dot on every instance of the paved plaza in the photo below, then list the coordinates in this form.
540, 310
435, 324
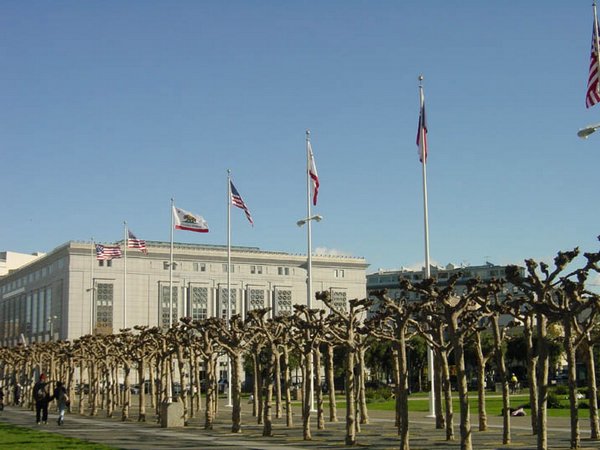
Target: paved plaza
377, 435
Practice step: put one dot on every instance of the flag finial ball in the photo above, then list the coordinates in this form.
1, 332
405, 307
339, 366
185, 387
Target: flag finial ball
420, 77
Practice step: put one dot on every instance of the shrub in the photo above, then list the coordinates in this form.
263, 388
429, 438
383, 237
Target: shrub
554, 401
561, 390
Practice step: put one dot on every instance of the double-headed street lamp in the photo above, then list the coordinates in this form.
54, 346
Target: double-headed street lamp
586, 131
316, 217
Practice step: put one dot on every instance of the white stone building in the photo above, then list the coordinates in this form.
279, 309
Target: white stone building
68, 293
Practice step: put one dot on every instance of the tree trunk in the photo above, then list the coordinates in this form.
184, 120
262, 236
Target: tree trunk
126, 392
532, 360
466, 442
277, 375
362, 398
211, 377
306, 395
268, 397
592, 391
288, 392
501, 367
402, 402
571, 362
350, 401
331, 384
142, 395
236, 414
255, 385
447, 391
481, 361
542, 382
319, 390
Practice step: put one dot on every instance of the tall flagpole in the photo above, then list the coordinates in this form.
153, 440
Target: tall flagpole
229, 403
309, 292
92, 305
126, 241
423, 151
171, 268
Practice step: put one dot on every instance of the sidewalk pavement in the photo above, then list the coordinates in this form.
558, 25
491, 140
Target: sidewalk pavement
379, 434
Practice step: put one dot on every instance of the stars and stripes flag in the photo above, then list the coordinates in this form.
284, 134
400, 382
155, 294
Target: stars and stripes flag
108, 252
422, 132
185, 220
592, 95
133, 242
312, 172
237, 200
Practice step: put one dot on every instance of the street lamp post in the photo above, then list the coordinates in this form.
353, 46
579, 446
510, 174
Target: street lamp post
309, 293
51, 320
586, 131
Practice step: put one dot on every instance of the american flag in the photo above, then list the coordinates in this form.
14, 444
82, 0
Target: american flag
312, 172
108, 251
236, 200
133, 242
422, 132
592, 95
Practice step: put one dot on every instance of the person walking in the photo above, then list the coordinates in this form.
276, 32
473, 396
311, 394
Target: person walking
17, 393
62, 401
41, 397
1, 399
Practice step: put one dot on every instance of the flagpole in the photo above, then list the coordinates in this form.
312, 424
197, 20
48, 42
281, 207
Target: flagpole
126, 242
309, 257
229, 404
171, 268
422, 144
92, 288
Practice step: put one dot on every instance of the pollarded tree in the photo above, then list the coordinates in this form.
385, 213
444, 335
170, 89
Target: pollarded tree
556, 296
205, 342
346, 327
392, 323
308, 333
235, 338
460, 310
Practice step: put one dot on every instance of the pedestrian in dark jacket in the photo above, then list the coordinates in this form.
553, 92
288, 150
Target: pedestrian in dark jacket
41, 397
62, 401
17, 394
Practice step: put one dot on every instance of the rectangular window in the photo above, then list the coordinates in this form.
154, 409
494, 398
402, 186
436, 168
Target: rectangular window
257, 270
338, 299
199, 302
109, 263
283, 302
339, 273
104, 308
199, 267
256, 299
101, 263
166, 305
223, 301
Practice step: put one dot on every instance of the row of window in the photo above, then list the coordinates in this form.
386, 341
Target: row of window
31, 277
254, 269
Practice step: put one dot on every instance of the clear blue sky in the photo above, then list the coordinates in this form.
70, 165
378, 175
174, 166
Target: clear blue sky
110, 108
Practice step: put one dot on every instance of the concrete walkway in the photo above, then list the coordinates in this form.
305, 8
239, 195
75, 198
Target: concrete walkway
379, 434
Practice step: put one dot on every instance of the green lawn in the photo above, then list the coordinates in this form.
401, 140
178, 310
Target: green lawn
420, 403
26, 438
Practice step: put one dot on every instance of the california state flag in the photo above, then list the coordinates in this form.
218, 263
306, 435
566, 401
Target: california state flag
312, 172
185, 220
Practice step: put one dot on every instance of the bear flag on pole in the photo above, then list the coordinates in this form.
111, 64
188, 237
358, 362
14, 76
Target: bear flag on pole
185, 220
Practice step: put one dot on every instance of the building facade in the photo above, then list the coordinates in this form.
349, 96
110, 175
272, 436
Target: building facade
390, 279
68, 293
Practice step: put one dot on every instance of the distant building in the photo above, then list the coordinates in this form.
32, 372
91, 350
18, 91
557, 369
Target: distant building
13, 260
390, 279
68, 293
